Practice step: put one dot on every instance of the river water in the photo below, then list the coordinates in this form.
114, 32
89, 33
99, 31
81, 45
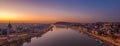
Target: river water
61, 36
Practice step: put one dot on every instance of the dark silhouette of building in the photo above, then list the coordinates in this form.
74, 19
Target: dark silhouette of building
9, 25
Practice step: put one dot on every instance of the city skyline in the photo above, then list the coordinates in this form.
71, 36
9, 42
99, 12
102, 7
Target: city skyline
37, 11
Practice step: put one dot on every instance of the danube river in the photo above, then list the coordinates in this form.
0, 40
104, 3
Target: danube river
61, 36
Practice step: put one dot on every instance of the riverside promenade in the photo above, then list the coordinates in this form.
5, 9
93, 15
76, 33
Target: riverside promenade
23, 36
108, 39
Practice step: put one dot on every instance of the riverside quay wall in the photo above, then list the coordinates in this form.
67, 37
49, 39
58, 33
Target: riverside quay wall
25, 35
107, 31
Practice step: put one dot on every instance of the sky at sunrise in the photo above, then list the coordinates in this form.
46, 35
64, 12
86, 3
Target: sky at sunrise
60, 10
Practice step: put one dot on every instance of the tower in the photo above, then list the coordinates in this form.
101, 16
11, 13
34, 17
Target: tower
8, 31
9, 25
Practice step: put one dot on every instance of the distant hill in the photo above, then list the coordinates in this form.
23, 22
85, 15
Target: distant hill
64, 23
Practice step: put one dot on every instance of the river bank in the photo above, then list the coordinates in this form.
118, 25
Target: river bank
4, 40
108, 39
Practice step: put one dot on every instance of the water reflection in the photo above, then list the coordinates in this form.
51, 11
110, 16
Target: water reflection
60, 36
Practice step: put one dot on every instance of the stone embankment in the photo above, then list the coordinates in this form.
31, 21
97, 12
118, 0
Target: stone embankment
5, 40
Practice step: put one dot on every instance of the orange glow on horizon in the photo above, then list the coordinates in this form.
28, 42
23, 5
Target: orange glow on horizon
14, 17
31, 20
26, 16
